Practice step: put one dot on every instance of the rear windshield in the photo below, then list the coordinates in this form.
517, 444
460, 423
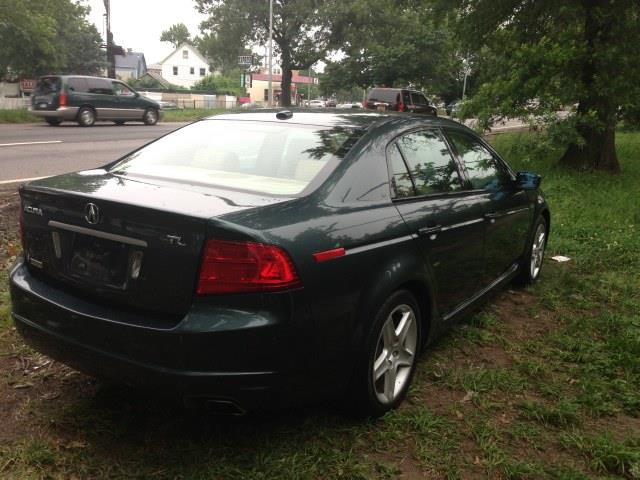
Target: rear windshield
267, 157
383, 95
48, 85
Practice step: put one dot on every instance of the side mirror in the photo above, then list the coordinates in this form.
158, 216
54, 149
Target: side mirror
528, 180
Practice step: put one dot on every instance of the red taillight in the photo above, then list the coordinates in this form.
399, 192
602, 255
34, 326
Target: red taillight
238, 267
401, 107
63, 100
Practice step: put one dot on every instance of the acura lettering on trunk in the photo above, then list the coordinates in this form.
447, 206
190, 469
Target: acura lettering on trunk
264, 259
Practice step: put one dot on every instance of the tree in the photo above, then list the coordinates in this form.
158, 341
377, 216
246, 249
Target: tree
539, 57
397, 44
304, 31
176, 35
46, 36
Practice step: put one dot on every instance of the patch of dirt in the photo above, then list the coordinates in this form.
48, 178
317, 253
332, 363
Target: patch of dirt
9, 221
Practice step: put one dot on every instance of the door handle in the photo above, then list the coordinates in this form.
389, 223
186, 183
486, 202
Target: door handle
492, 215
430, 230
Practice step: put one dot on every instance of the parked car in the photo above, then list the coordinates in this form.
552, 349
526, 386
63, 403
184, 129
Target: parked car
255, 259
399, 100
452, 108
330, 103
350, 105
317, 103
82, 99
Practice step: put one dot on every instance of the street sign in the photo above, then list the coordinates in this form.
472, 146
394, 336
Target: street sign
27, 84
245, 60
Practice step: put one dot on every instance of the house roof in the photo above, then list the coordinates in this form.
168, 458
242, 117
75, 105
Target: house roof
183, 45
130, 60
159, 78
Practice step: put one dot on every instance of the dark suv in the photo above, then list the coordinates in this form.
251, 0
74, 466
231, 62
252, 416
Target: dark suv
399, 100
86, 99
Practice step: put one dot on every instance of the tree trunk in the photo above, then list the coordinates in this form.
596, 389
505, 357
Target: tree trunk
597, 153
285, 85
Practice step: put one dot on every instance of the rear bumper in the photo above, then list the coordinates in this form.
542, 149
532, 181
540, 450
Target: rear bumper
200, 357
61, 113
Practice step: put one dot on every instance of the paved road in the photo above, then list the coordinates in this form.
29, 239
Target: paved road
68, 148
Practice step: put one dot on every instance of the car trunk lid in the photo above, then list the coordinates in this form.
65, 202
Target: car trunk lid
122, 241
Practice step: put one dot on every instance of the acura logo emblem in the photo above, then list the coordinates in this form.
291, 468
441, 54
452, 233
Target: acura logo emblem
91, 213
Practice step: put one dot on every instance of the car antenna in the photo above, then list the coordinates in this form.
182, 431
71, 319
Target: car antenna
284, 115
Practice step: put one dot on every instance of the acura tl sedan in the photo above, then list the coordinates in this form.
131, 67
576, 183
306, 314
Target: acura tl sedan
262, 259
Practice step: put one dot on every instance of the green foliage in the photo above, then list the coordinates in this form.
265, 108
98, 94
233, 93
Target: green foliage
176, 35
304, 31
534, 59
396, 44
222, 84
47, 36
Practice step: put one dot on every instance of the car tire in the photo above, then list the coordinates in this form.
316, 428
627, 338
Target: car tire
531, 263
150, 116
54, 122
86, 117
387, 365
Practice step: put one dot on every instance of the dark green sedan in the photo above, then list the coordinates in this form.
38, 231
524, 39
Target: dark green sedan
263, 259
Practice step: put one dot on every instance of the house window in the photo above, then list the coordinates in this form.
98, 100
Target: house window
185, 53
192, 70
202, 72
175, 70
266, 94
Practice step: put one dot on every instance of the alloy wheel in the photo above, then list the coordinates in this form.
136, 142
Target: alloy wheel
537, 250
395, 354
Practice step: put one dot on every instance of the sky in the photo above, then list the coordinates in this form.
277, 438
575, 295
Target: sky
138, 24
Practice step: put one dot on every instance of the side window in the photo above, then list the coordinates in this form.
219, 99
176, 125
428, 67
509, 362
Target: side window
77, 85
175, 70
99, 85
430, 163
406, 98
418, 98
484, 170
121, 90
400, 179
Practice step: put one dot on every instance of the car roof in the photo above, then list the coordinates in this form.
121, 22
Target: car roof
335, 117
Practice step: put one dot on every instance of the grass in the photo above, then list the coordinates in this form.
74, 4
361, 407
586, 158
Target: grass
539, 384
190, 115
17, 116
186, 115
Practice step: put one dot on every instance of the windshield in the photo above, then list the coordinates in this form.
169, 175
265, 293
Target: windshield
266, 157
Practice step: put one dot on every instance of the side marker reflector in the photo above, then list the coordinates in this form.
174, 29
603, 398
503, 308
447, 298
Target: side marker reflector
329, 254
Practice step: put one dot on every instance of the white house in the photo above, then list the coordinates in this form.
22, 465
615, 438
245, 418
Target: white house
185, 66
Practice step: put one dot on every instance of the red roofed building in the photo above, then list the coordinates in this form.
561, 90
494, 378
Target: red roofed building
258, 88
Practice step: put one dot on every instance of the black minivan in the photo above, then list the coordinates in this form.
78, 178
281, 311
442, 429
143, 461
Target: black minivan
399, 100
86, 99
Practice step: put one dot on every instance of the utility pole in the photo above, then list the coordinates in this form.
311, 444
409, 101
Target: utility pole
271, 53
112, 49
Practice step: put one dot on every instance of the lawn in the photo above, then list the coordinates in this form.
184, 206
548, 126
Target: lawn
539, 383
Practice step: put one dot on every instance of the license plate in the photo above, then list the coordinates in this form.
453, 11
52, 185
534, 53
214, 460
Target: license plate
99, 261
42, 105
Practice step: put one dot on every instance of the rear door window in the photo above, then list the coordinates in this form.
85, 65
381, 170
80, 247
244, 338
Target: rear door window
77, 85
383, 95
430, 162
484, 170
401, 182
99, 86
418, 99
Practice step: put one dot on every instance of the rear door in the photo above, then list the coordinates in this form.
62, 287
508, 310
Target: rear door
101, 97
446, 219
509, 212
